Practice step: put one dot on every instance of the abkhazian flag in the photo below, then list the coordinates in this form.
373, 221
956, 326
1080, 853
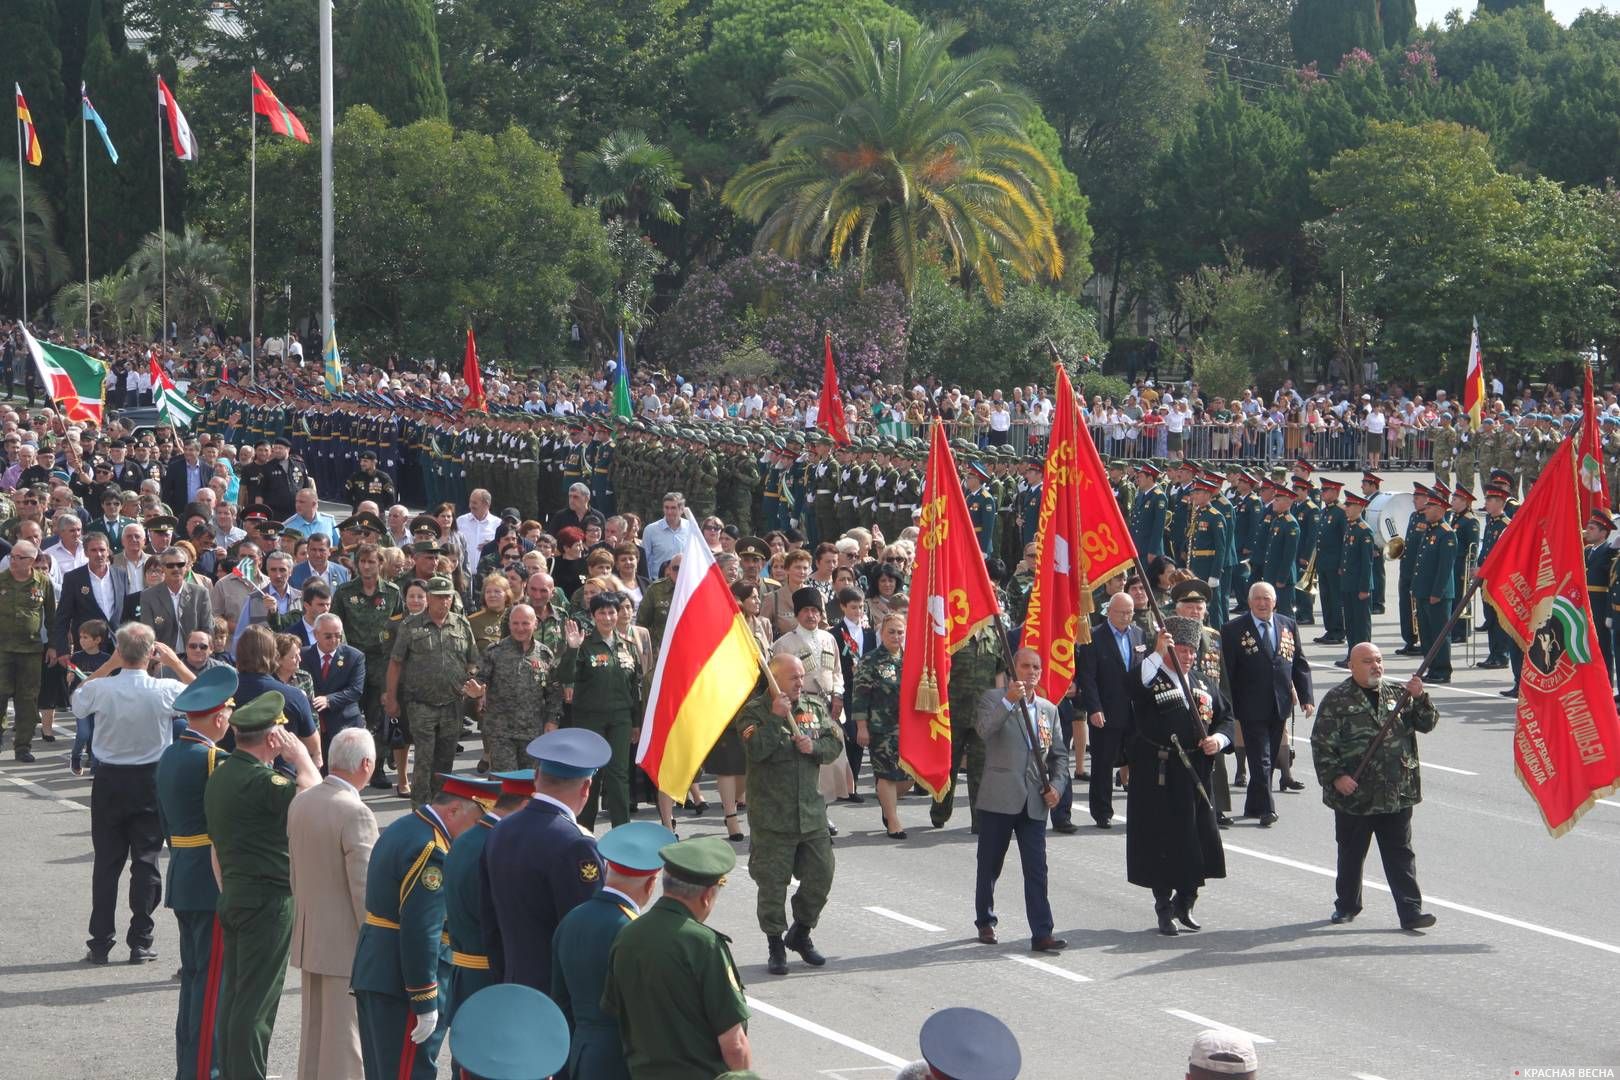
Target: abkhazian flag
31, 150
951, 599
73, 379
1594, 489
185, 143
708, 666
171, 404
1566, 743
282, 120
88, 111
1474, 382
621, 384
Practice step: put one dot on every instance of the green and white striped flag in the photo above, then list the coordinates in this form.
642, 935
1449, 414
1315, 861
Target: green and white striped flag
172, 405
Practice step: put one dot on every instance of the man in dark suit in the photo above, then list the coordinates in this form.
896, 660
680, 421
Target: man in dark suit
184, 476
339, 674
175, 607
1266, 669
93, 591
539, 864
854, 642
1106, 667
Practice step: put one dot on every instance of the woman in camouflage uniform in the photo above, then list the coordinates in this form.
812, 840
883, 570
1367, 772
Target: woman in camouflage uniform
876, 708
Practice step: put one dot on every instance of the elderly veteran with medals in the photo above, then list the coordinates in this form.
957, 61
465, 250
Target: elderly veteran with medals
1172, 844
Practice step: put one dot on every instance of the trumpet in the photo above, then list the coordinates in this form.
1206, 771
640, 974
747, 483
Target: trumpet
1394, 548
1307, 581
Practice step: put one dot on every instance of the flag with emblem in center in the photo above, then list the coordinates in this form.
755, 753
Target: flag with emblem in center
171, 404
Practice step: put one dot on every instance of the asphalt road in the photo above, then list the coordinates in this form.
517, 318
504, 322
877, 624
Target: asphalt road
1513, 979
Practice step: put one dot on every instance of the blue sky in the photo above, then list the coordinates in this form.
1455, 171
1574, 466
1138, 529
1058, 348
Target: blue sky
1562, 10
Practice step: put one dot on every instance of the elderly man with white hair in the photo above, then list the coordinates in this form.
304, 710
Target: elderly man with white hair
27, 610
330, 834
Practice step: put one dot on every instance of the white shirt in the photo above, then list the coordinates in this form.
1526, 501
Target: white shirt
1375, 422
134, 715
474, 535
66, 560
102, 589
856, 635
823, 674
174, 598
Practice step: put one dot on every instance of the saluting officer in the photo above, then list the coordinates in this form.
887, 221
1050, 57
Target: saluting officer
402, 957
601, 678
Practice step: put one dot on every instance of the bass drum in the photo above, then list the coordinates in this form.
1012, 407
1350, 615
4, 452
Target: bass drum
1388, 513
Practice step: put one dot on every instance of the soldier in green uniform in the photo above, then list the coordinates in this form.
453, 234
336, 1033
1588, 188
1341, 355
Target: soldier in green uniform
981, 506
402, 958
1502, 650
822, 472
1434, 586
601, 675
1466, 526
1282, 548
788, 736
1247, 512
1148, 512
975, 668
1375, 799
1466, 457
27, 610
1330, 530
1207, 557
671, 981
1358, 554
520, 694
366, 604
1417, 527
1178, 527
1443, 439
433, 665
1027, 502
1307, 511
245, 806
1119, 482
703, 477
464, 893
191, 891
583, 944
739, 480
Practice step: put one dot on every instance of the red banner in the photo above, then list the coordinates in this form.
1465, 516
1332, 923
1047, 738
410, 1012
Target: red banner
1060, 600
830, 409
951, 598
1594, 491
1566, 747
473, 377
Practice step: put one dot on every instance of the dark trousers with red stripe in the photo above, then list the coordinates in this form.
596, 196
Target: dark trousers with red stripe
385, 1038
201, 955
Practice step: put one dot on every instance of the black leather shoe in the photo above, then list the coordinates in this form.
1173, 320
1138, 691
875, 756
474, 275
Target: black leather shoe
1491, 665
1240, 780
798, 939
1085, 774
1048, 944
25, 757
1267, 820
95, 956
1342, 663
1184, 915
1292, 785
380, 782
1108, 824
776, 963
1418, 922
139, 954
1439, 680
1167, 926
1066, 827
1338, 918
853, 797
1409, 650
1510, 692
1223, 820
987, 935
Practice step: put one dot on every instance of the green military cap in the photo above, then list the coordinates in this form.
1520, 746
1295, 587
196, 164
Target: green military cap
778, 443
426, 547
703, 860
753, 546
260, 714
366, 521
427, 522
347, 524
286, 530
440, 586
163, 523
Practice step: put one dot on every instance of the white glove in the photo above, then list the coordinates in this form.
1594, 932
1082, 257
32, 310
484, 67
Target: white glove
1214, 582
425, 1023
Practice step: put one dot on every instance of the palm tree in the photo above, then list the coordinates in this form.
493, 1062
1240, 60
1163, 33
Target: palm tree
120, 305
47, 261
201, 276
630, 174
888, 148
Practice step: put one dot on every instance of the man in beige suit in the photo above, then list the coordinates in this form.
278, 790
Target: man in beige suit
330, 833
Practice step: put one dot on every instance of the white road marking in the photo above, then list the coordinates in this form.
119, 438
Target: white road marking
1608, 802
44, 792
1433, 901
827, 1033
1365, 1076
1207, 1022
1448, 768
907, 919
1050, 969
1462, 690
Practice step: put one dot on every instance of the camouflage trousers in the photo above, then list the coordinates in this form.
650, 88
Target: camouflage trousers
19, 683
966, 749
506, 743
434, 729
774, 859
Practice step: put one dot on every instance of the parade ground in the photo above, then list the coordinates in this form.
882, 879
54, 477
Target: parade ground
1514, 980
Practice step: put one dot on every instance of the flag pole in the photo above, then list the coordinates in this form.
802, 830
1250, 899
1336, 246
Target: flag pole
163, 244
328, 324
253, 223
22, 221
84, 162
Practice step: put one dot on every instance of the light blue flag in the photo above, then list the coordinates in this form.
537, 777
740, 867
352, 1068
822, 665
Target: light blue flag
94, 117
332, 363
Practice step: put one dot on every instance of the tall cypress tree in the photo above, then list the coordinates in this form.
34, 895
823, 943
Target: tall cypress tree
394, 62
1497, 7
1399, 18
32, 59
1324, 30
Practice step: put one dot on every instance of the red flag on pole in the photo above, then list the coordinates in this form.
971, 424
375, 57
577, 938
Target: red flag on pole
951, 598
1594, 491
473, 377
1566, 746
830, 409
282, 120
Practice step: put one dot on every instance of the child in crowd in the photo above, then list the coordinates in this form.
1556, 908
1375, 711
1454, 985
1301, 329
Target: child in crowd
94, 650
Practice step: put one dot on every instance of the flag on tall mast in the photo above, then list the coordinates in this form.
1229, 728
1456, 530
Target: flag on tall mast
1474, 384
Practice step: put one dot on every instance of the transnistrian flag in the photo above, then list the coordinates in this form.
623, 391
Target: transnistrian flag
621, 384
32, 153
73, 379
708, 665
88, 111
1474, 383
170, 402
1566, 743
1594, 490
282, 120
951, 599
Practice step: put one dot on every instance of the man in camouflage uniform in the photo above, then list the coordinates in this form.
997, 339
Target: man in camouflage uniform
1444, 440
27, 608
739, 479
1377, 802
366, 604
432, 667
975, 668
702, 476
520, 698
1466, 458
787, 738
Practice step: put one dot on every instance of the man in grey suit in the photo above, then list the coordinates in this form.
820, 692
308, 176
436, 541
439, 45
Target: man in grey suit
176, 607
1025, 764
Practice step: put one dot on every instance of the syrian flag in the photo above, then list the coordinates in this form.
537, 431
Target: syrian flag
73, 379
185, 143
171, 404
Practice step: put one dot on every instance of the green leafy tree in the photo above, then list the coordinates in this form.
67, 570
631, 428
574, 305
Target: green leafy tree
890, 149
33, 61
393, 61
120, 306
1242, 317
47, 263
1246, 37
960, 337
1398, 19
1070, 207
629, 175
1325, 30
